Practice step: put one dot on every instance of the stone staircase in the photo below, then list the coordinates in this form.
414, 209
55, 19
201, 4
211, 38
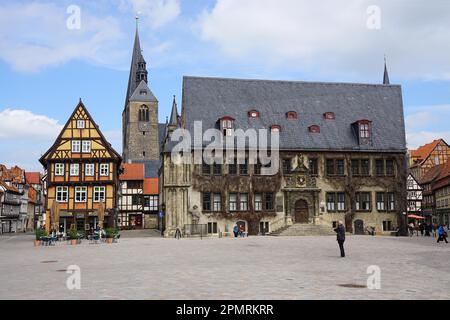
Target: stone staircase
304, 230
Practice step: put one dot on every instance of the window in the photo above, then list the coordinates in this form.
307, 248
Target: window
212, 227
360, 167
313, 166
253, 114
76, 145
387, 226
143, 92
335, 201
269, 201
275, 128
217, 169
99, 194
286, 166
206, 168
232, 203
364, 130
217, 202
80, 124
335, 167
257, 167
62, 194
104, 169
86, 146
243, 202
385, 167
291, 115
59, 169
341, 201
134, 185
144, 114
391, 201
329, 116
381, 201
232, 168
136, 200
206, 200
227, 126
363, 201
80, 194
89, 169
74, 169
243, 167
258, 202
314, 129
331, 202
151, 202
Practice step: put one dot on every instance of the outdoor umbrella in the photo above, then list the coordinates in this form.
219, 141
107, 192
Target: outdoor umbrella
413, 216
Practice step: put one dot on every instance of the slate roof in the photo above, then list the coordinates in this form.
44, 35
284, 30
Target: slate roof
137, 96
209, 99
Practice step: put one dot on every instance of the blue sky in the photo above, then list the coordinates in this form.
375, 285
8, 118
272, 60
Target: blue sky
46, 66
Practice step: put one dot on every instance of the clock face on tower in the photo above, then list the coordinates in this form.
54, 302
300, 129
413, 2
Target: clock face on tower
144, 126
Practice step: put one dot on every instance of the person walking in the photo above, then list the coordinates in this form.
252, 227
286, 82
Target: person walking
442, 234
411, 229
235, 230
340, 237
434, 229
421, 228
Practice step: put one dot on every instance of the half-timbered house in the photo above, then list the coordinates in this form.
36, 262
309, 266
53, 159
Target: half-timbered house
82, 172
427, 156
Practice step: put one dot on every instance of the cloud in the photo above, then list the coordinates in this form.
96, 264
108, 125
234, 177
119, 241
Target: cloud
427, 123
35, 35
115, 138
333, 35
157, 13
24, 125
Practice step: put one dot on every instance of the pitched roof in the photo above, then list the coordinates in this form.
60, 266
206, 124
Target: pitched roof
208, 99
423, 152
174, 114
138, 96
132, 171
9, 188
33, 177
151, 167
14, 174
431, 174
151, 186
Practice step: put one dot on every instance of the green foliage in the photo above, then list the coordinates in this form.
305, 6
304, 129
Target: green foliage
110, 232
41, 233
73, 234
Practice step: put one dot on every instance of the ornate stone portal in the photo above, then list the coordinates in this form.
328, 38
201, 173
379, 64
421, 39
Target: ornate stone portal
301, 193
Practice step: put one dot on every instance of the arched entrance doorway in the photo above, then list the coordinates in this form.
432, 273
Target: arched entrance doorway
301, 213
359, 227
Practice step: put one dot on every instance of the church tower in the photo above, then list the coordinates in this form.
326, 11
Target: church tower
140, 115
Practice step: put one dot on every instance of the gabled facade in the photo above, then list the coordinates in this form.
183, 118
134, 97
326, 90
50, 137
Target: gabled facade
81, 172
34, 179
428, 156
139, 200
414, 194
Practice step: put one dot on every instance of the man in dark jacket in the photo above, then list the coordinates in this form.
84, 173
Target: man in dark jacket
340, 235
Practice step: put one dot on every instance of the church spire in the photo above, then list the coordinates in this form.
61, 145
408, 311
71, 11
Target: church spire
386, 74
138, 69
174, 114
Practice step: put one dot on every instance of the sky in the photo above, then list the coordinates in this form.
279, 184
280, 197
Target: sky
52, 53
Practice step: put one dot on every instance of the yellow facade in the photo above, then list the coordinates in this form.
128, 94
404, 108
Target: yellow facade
82, 172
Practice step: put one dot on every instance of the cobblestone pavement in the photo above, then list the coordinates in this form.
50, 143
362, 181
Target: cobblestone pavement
250, 268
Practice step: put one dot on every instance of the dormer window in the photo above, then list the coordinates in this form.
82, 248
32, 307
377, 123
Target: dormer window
143, 92
254, 114
364, 129
329, 116
275, 128
314, 129
227, 126
291, 115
